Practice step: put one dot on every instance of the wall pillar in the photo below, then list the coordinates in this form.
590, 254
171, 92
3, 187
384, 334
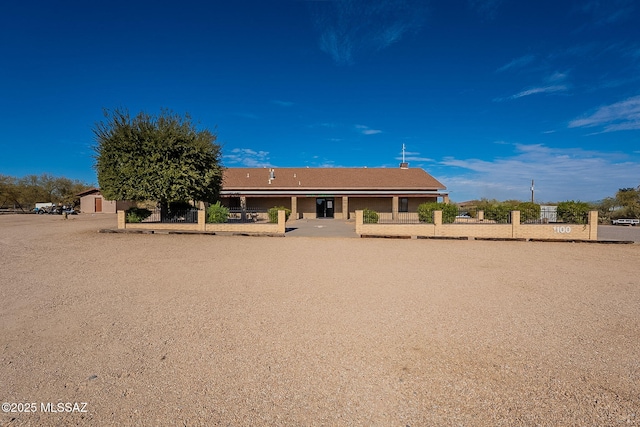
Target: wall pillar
515, 224
122, 224
345, 207
201, 220
359, 222
394, 207
437, 222
282, 219
445, 198
593, 225
437, 217
294, 207
480, 215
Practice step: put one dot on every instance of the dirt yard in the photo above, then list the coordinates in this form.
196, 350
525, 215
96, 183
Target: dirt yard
192, 330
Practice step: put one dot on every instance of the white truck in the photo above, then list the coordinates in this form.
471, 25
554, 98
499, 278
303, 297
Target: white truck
43, 207
626, 221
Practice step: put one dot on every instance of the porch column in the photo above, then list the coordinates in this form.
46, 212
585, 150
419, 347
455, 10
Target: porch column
394, 207
243, 208
294, 207
345, 207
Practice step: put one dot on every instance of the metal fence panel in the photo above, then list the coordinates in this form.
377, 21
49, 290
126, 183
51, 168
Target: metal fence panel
187, 216
248, 215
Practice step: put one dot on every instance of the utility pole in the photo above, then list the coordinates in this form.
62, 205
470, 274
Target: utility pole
531, 191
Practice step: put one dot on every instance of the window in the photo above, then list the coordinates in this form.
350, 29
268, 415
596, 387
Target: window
403, 204
234, 202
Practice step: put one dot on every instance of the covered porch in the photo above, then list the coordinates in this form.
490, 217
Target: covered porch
331, 205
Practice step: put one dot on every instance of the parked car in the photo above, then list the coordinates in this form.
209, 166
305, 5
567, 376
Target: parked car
69, 211
626, 221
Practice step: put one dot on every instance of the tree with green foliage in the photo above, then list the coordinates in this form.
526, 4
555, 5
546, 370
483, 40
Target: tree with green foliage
494, 210
449, 212
25, 192
370, 216
273, 213
573, 212
162, 158
629, 200
529, 211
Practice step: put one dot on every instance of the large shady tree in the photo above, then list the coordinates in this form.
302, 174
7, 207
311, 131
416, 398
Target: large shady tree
162, 158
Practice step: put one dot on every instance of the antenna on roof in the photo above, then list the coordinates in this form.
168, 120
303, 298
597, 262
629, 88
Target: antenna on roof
404, 164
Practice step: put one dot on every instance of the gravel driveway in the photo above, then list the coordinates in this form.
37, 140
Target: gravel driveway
234, 331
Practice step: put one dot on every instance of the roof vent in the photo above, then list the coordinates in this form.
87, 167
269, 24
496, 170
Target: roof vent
247, 175
272, 175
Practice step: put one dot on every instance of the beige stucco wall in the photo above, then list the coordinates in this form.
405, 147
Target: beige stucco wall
414, 202
306, 205
506, 231
268, 202
270, 228
378, 204
88, 204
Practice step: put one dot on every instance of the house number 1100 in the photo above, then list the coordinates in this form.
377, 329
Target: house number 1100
562, 229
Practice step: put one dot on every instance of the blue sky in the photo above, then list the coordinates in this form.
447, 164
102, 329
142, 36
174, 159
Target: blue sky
486, 95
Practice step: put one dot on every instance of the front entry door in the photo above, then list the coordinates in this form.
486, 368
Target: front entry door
324, 207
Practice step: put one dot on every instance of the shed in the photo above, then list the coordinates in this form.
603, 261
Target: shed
92, 201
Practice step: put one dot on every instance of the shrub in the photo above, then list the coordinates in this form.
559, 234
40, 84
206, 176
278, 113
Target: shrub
137, 214
273, 213
529, 212
499, 213
573, 212
449, 212
370, 216
217, 214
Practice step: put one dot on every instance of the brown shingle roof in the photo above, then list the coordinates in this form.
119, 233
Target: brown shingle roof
330, 179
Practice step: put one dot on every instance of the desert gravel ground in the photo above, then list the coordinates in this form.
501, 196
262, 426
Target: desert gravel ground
193, 330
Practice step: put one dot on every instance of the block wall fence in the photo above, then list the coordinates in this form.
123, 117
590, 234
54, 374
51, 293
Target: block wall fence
266, 228
515, 230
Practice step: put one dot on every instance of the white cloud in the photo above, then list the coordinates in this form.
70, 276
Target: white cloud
282, 103
415, 158
538, 90
366, 130
353, 28
248, 158
623, 115
552, 84
559, 174
517, 63
609, 11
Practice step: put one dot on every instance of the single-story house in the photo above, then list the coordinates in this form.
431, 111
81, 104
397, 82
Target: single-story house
92, 201
331, 192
